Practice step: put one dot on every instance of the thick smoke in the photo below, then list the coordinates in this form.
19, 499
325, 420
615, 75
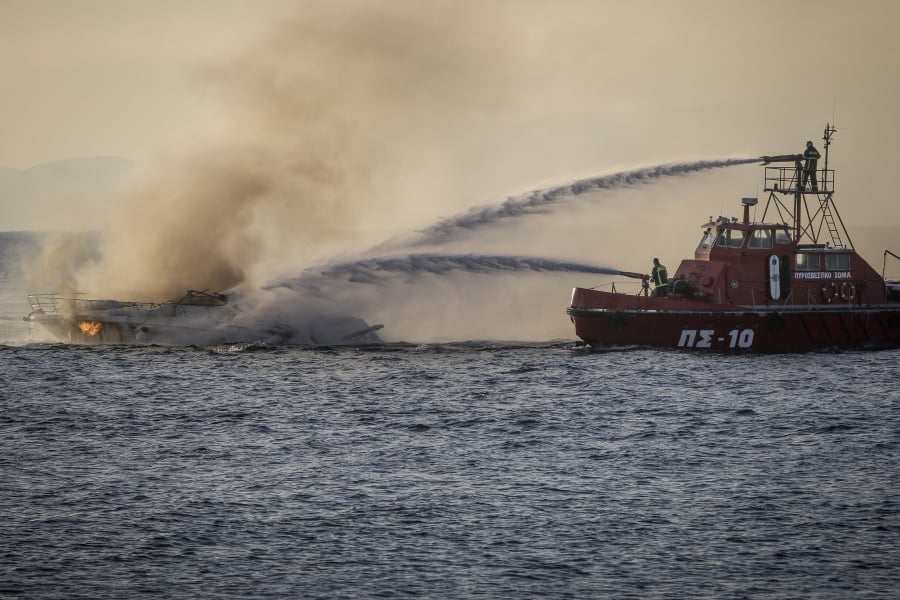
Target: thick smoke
338, 131
321, 119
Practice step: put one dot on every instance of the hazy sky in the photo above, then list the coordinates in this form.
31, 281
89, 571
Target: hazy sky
422, 108
113, 77
110, 77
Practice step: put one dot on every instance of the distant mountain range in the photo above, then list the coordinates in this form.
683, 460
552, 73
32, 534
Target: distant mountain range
60, 195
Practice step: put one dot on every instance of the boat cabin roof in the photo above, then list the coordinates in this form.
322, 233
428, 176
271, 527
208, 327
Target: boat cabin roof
733, 223
723, 236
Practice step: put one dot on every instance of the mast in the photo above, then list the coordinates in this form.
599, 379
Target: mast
826, 137
823, 225
798, 197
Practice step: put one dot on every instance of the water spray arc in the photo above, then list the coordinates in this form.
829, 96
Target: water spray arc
417, 295
518, 206
376, 270
400, 266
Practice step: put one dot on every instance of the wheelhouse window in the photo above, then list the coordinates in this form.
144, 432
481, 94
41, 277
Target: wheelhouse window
709, 236
807, 262
761, 238
782, 237
837, 262
731, 238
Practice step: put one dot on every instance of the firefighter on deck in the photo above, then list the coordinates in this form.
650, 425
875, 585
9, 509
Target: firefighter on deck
811, 156
660, 278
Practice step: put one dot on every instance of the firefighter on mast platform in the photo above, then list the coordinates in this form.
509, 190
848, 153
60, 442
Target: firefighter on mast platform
812, 156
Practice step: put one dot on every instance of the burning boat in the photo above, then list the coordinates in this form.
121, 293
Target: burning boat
197, 318
793, 283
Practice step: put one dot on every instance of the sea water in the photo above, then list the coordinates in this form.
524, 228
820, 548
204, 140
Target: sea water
470, 470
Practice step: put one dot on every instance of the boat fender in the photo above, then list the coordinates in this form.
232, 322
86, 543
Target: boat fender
848, 292
829, 291
774, 277
618, 321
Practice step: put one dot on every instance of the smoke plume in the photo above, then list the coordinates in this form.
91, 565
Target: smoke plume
339, 129
321, 120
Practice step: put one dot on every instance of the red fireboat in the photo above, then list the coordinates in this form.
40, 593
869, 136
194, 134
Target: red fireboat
793, 284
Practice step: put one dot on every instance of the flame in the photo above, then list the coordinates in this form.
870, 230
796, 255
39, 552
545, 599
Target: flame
90, 327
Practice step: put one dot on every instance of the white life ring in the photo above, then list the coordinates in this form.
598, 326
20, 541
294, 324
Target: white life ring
848, 291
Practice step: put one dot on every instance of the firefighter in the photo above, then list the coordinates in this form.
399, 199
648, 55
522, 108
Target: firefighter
660, 278
812, 156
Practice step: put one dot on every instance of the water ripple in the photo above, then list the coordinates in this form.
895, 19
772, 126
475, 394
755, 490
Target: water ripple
475, 471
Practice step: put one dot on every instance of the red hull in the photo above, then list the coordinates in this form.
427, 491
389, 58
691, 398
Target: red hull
668, 323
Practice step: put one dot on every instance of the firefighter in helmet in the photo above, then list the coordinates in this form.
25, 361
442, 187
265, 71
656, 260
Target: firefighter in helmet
811, 156
660, 278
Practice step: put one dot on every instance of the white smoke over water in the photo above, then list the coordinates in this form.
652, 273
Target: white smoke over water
454, 285
342, 129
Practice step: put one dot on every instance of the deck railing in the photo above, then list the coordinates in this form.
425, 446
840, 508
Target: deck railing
789, 180
54, 303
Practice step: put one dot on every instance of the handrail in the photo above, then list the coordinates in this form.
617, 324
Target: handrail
51, 303
786, 180
884, 270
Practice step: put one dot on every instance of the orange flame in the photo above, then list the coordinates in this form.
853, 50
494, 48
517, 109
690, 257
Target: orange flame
90, 327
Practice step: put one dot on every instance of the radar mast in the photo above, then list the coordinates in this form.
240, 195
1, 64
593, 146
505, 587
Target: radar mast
813, 217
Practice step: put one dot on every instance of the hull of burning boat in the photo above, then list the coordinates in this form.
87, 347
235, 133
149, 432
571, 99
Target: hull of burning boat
197, 319
93, 328
739, 329
324, 331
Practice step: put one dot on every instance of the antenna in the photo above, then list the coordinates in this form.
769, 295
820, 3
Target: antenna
833, 107
829, 131
757, 208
